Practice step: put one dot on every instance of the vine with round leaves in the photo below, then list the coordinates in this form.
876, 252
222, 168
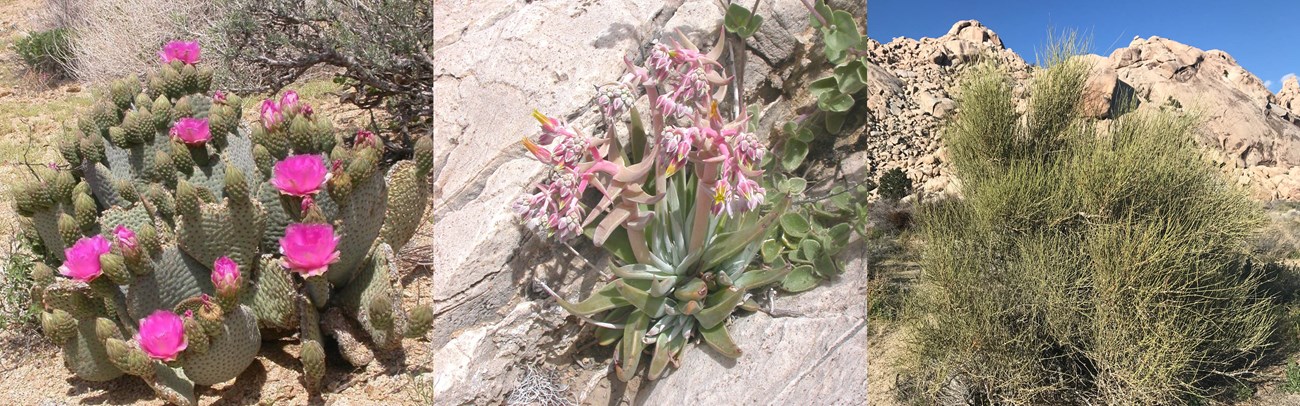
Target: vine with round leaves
810, 235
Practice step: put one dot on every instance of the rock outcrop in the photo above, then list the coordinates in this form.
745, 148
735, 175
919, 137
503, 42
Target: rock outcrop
1253, 134
498, 61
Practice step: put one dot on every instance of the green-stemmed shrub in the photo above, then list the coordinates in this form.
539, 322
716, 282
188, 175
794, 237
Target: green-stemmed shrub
1089, 263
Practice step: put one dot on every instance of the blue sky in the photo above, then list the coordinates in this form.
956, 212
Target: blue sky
1264, 36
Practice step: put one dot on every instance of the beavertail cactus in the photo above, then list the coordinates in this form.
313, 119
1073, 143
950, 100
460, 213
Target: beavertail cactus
180, 235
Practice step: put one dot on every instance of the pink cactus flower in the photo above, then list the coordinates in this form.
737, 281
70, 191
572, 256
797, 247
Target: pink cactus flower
82, 259
300, 175
271, 113
219, 97
309, 249
225, 276
184, 51
289, 101
192, 131
162, 335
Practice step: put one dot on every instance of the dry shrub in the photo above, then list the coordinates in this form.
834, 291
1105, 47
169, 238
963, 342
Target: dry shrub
1085, 265
116, 38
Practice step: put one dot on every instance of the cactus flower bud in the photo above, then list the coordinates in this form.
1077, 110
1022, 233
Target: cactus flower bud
309, 249
225, 276
82, 261
270, 111
162, 335
192, 131
300, 175
289, 101
184, 51
126, 240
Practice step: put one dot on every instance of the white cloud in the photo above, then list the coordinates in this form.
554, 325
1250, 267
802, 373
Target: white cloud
1268, 83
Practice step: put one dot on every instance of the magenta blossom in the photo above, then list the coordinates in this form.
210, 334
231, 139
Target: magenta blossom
309, 249
219, 97
184, 51
270, 113
192, 131
300, 175
162, 335
225, 276
82, 259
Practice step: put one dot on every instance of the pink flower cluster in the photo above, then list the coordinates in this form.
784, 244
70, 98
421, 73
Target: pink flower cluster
272, 112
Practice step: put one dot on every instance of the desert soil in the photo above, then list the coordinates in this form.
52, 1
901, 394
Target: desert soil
32, 113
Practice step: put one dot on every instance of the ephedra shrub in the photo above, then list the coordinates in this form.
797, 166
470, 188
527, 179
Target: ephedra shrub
1087, 263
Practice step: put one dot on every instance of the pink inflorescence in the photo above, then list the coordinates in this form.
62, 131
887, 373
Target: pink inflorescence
162, 335
81, 260
184, 51
309, 249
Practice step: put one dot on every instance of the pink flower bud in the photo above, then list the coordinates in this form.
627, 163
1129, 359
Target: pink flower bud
82, 259
270, 112
225, 276
309, 249
289, 101
300, 175
125, 239
184, 51
162, 335
192, 131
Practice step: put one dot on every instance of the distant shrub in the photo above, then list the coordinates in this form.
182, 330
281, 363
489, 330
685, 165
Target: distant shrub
894, 185
47, 52
1085, 265
381, 50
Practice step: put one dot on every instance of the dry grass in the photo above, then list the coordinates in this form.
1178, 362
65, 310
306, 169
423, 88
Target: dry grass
117, 38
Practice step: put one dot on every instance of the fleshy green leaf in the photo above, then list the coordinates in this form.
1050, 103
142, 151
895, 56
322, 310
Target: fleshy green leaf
845, 35
632, 345
852, 77
758, 278
805, 135
823, 85
835, 122
718, 338
604, 299
795, 224
641, 298
795, 152
740, 239
771, 250
735, 18
636, 138
795, 185
834, 101
719, 306
800, 279
810, 248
